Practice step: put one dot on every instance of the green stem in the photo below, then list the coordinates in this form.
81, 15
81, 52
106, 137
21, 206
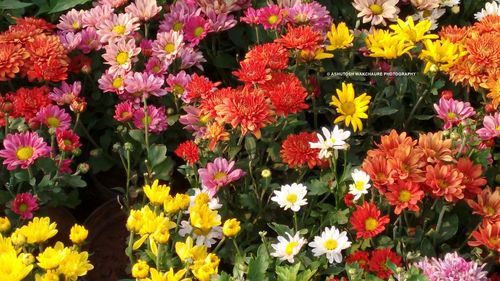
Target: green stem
127, 185
129, 250
440, 219
219, 244
414, 109
295, 222
76, 121
6, 124
257, 34
236, 247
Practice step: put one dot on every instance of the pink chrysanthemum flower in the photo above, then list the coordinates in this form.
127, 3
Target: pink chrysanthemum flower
54, 117
124, 112
271, 17
96, 15
177, 83
377, 11
22, 149
141, 84
312, 13
156, 67
70, 40
118, 27
178, 15
65, 167
191, 121
90, 41
113, 3
218, 174
71, 21
66, 93
452, 268
195, 29
143, 9
24, 204
155, 119
491, 127
113, 82
251, 16
190, 57
146, 46
167, 45
121, 55
452, 112
220, 22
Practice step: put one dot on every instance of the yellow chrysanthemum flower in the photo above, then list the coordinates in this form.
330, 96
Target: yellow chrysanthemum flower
6, 244
384, 44
140, 269
231, 227
183, 249
144, 223
351, 109
339, 36
4, 224
162, 232
203, 218
38, 230
440, 54
167, 276
407, 30
48, 276
157, 194
205, 272
17, 238
76, 264
78, 234
12, 267
177, 203
50, 258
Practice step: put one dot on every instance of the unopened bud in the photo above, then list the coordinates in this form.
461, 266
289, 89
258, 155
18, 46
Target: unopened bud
22, 128
128, 147
455, 9
266, 173
76, 151
83, 168
170, 111
96, 152
116, 147
52, 131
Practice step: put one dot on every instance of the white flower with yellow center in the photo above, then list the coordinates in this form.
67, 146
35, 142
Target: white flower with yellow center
331, 242
291, 196
330, 141
361, 184
288, 249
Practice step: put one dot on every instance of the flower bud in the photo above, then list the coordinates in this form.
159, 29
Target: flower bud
455, 9
96, 152
4, 224
266, 173
231, 227
116, 147
128, 146
83, 168
22, 128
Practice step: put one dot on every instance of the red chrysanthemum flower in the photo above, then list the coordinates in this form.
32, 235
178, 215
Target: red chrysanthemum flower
199, 87
12, 58
473, 180
48, 59
124, 111
248, 109
286, 93
36, 22
404, 195
488, 234
380, 173
26, 102
20, 34
24, 205
208, 104
378, 262
253, 72
296, 151
407, 163
301, 38
273, 55
445, 181
5, 109
215, 133
349, 200
361, 258
188, 151
367, 222
389, 143
67, 140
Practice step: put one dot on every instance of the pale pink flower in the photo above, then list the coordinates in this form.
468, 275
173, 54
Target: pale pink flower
426, 4
167, 44
113, 82
452, 112
491, 127
312, 14
118, 27
121, 54
124, 111
190, 57
70, 40
251, 16
178, 15
191, 121
66, 93
220, 22
22, 149
177, 83
195, 29
156, 67
96, 15
143, 9
376, 11
271, 17
143, 84
53, 117
155, 119
218, 174
113, 3
90, 41
71, 21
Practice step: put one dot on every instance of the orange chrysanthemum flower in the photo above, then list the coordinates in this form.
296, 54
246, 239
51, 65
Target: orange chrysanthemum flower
48, 59
39, 23
20, 34
488, 234
484, 51
468, 73
367, 222
391, 142
488, 24
273, 54
27, 102
445, 181
215, 133
493, 85
300, 38
199, 87
12, 58
296, 151
487, 205
435, 148
246, 108
404, 195
208, 104
454, 33
253, 72
407, 163
380, 173
473, 180
286, 93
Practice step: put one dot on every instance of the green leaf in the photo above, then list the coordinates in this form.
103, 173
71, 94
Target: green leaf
157, 154
448, 229
257, 266
137, 135
13, 5
165, 169
48, 165
172, 119
74, 181
318, 187
280, 229
223, 60
63, 5
424, 117
4, 197
287, 273
307, 274
384, 111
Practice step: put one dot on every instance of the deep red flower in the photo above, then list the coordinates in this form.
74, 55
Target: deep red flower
67, 140
367, 222
301, 38
472, 180
188, 151
378, 262
80, 63
27, 102
296, 151
273, 55
199, 87
253, 72
360, 257
447, 94
24, 205
286, 93
349, 200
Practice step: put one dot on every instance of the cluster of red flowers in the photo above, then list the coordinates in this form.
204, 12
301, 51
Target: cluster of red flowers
375, 261
296, 151
31, 49
188, 151
403, 170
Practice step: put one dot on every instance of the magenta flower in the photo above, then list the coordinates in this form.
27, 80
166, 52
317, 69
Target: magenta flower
54, 117
191, 121
142, 84
146, 46
143, 9
179, 13
155, 119
66, 93
24, 205
22, 149
452, 112
71, 21
124, 111
195, 29
452, 268
190, 57
218, 174
90, 41
117, 27
312, 13
220, 22
70, 40
271, 17
250, 17
491, 127
177, 83
156, 67
96, 15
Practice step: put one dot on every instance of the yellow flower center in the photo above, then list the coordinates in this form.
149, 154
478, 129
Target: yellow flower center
489, 210
290, 247
23, 207
376, 9
198, 31
330, 244
427, 13
122, 58
119, 29
292, 198
177, 26
404, 196
53, 122
497, 128
272, 19
156, 69
219, 175
371, 224
451, 115
24, 153
117, 82
178, 89
75, 25
349, 108
170, 47
360, 185
146, 120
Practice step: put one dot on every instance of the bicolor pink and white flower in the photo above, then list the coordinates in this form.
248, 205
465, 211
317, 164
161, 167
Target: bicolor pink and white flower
452, 112
167, 45
141, 84
113, 82
121, 55
218, 174
71, 21
117, 27
177, 83
54, 117
66, 93
97, 15
377, 11
491, 127
143, 9
155, 118
23, 149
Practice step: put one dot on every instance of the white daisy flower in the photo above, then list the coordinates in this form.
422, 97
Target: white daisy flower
207, 239
334, 140
291, 196
214, 201
361, 184
288, 249
431, 16
491, 8
331, 242
449, 3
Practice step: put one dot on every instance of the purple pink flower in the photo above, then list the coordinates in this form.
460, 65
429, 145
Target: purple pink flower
452, 112
142, 84
143, 9
191, 121
24, 205
177, 83
167, 44
22, 149
452, 268
113, 82
71, 21
156, 67
179, 13
117, 27
155, 119
96, 15
54, 117
491, 127
311, 13
90, 41
218, 174
66, 93
195, 29
271, 17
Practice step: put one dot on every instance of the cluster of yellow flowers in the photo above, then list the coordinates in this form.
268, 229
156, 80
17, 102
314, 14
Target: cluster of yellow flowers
22, 254
153, 236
